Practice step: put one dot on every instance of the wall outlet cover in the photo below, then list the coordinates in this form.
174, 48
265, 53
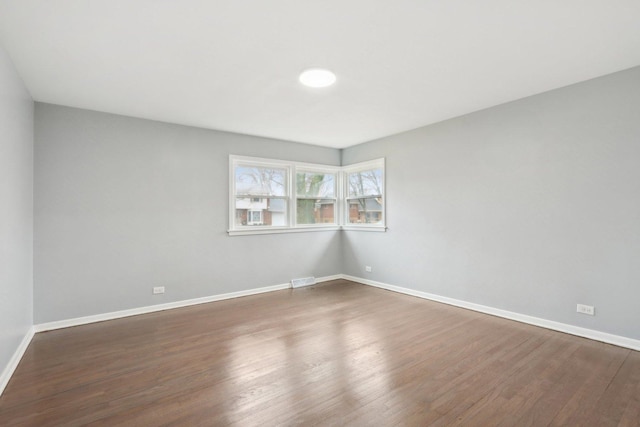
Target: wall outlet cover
586, 309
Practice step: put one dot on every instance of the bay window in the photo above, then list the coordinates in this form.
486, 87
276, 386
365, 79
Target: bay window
273, 196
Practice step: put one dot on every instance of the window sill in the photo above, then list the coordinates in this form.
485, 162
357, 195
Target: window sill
374, 228
249, 232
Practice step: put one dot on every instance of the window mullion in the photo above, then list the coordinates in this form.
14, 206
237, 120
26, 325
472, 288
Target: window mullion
292, 196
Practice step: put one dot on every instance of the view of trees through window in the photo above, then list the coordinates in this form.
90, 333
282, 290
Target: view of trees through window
315, 198
365, 196
275, 193
261, 196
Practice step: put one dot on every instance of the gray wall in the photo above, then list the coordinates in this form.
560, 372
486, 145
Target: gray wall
531, 206
123, 204
16, 210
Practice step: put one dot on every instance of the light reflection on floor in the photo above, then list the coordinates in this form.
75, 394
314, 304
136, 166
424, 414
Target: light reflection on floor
334, 362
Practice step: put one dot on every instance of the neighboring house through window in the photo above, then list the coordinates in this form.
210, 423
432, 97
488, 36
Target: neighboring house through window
365, 193
279, 196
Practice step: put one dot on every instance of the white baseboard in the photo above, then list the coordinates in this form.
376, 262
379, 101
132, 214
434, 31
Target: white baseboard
549, 324
618, 340
316, 280
15, 359
329, 278
67, 323
49, 326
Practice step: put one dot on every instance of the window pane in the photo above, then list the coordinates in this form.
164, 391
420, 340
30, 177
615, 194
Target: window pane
315, 211
261, 181
365, 210
315, 184
365, 183
260, 211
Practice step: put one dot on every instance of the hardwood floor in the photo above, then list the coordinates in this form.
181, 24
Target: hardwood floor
339, 353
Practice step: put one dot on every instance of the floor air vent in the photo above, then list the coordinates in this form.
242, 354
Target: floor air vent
304, 281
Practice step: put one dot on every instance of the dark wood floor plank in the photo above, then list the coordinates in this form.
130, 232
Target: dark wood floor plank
619, 404
333, 354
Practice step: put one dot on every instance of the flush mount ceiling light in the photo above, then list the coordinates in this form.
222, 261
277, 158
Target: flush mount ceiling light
317, 77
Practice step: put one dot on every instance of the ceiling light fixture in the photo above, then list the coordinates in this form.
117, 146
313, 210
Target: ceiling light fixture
317, 77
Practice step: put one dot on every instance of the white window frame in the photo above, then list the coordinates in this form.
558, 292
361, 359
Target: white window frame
357, 167
311, 168
235, 161
292, 168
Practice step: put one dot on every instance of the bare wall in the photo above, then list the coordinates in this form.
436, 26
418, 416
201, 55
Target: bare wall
124, 204
16, 210
531, 206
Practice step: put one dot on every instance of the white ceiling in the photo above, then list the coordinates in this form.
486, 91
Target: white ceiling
233, 65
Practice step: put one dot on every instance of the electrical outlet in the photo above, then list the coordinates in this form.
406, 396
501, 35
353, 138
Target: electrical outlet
367, 268
158, 290
586, 309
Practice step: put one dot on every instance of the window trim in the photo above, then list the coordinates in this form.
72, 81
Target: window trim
358, 167
257, 162
309, 167
292, 168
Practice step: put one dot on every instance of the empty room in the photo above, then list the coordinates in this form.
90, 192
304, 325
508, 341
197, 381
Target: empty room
336, 213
